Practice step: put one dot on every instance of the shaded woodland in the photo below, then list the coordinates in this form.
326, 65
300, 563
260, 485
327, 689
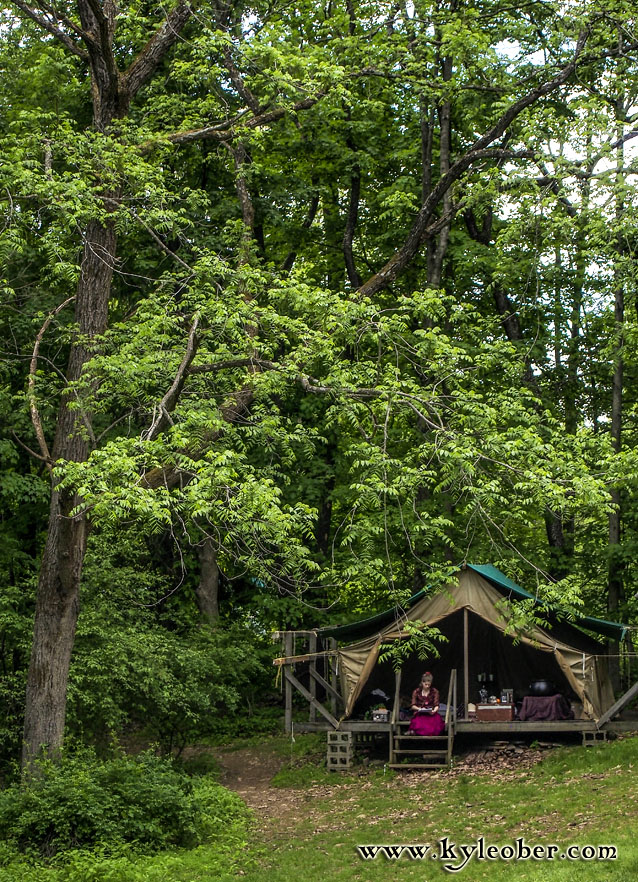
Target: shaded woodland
301, 305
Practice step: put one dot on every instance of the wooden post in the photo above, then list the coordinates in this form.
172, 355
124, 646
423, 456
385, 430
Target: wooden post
466, 662
312, 648
622, 702
329, 690
397, 695
288, 651
301, 688
454, 700
394, 719
334, 679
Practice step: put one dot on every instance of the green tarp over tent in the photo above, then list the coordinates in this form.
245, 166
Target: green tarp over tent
365, 627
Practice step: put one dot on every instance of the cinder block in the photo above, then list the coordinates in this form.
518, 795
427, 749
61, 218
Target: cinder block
339, 751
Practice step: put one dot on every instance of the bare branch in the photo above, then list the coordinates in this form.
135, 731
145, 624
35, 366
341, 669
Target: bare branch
238, 82
32, 452
552, 183
170, 476
53, 29
410, 248
235, 409
65, 20
220, 133
288, 263
629, 136
309, 384
161, 244
168, 402
216, 366
224, 131
444, 220
33, 405
242, 160
146, 63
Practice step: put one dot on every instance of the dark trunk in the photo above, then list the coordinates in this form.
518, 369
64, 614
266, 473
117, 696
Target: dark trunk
508, 314
332, 226
57, 602
351, 226
437, 247
560, 536
307, 223
615, 587
207, 590
56, 615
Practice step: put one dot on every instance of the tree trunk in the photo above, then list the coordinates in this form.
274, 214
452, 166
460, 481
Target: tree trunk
56, 615
615, 587
437, 248
351, 226
57, 602
560, 537
615, 590
207, 590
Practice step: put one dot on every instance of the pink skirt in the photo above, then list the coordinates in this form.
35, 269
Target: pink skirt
426, 724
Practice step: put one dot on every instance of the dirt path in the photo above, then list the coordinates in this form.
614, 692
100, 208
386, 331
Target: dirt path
249, 772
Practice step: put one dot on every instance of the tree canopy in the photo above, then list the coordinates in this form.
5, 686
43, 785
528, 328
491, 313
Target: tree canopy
302, 305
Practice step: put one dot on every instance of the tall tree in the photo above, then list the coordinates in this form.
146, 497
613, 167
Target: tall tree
211, 300
90, 38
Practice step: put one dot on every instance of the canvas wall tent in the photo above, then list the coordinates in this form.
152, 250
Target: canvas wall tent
472, 613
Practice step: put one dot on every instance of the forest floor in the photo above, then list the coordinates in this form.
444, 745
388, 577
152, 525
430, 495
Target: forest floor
249, 771
257, 773
309, 822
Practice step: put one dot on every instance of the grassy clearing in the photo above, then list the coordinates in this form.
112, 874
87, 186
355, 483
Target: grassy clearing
576, 796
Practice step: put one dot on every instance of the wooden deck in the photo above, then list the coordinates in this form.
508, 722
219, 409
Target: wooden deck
325, 682
515, 727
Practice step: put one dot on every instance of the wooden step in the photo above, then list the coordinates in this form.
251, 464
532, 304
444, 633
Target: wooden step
418, 738
424, 752
418, 765
420, 751
442, 734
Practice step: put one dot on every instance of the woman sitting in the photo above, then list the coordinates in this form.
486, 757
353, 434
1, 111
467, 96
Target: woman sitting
425, 705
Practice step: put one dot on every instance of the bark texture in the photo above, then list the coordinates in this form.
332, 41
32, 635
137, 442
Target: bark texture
207, 590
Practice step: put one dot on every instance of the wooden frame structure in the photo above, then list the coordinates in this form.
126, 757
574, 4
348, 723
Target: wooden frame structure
292, 642
302, 647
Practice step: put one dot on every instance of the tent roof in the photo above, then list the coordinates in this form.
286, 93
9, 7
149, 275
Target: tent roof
366, 627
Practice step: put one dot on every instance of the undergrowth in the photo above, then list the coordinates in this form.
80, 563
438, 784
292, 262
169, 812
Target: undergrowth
574, 796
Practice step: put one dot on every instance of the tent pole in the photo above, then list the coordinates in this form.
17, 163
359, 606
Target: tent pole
466, 662
394, 717
312, 649
333, 676
288, 651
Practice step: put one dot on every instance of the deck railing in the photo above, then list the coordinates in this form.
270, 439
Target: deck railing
450, 714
